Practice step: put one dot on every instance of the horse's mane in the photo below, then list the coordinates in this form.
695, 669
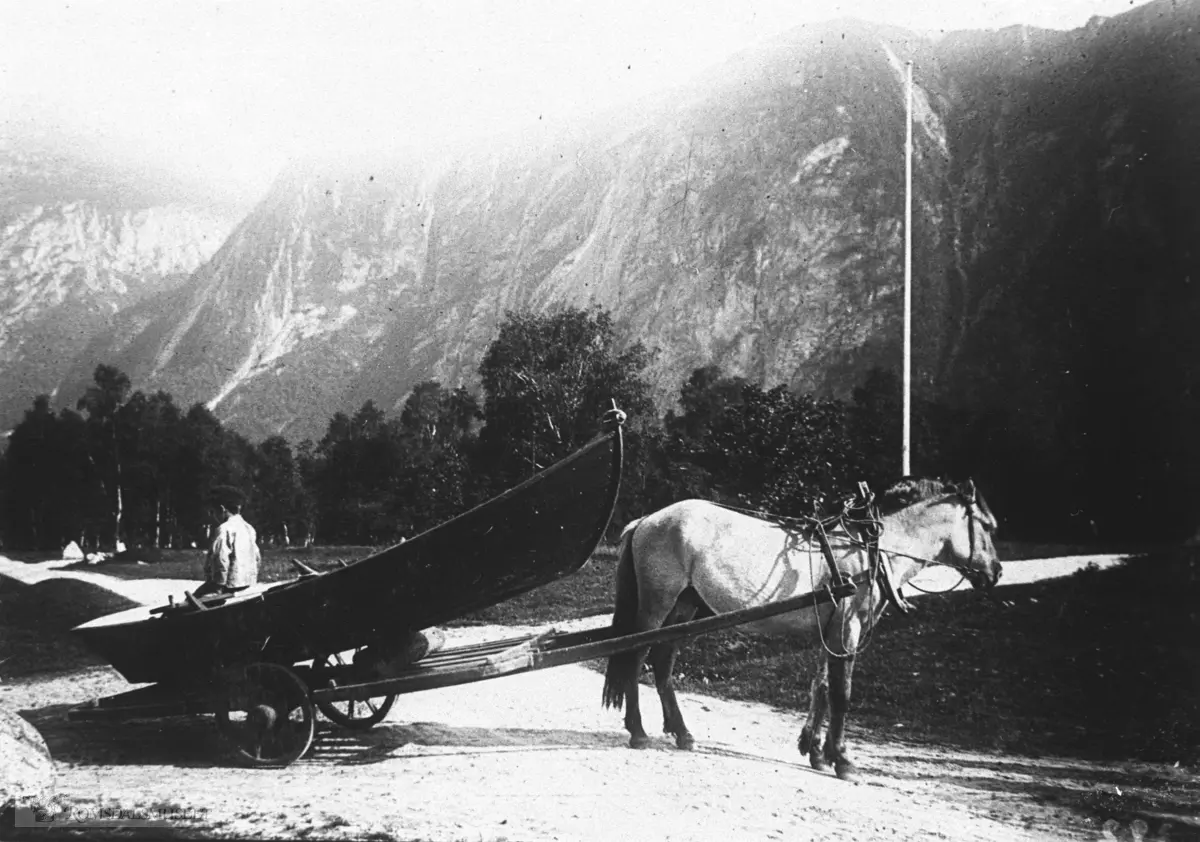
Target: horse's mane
908, 491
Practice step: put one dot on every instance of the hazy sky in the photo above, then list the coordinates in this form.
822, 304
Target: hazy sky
229, 90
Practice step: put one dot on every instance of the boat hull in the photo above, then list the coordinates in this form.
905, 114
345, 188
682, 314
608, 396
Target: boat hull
543, 529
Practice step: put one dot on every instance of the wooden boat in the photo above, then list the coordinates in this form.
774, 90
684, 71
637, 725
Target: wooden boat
545, 528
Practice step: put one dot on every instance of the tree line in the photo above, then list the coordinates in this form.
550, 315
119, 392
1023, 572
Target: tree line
137, 468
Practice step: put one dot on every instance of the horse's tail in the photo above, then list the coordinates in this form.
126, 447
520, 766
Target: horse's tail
622, 665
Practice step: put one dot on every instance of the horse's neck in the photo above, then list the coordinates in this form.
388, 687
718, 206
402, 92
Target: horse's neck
911, 542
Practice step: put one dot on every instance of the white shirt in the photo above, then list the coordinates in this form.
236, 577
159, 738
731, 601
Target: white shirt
234, 555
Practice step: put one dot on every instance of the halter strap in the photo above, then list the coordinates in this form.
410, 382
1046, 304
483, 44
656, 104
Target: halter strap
871, 527
877, 569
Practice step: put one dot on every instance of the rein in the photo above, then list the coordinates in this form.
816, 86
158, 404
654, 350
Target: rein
871, 526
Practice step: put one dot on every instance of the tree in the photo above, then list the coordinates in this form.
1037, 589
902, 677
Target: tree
279, 492
706, 396
359, 458
547, 381
150, 441
101, 402
434, 416
209, 455
46, 492
305, 516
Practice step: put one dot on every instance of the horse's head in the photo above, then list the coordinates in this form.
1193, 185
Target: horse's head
955, 521
971, 545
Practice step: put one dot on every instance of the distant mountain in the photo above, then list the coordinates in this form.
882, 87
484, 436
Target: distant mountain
80, 242
1074, 184
754, 219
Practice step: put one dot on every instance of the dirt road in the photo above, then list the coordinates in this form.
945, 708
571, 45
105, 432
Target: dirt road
534, 757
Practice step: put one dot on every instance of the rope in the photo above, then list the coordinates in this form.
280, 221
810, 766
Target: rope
844, 520
962, 577
808, 522
816, 608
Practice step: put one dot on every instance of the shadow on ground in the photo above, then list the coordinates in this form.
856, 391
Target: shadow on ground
194, 741
1166, 800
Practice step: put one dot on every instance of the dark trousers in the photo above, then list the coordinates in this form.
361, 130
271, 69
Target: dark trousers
210, 588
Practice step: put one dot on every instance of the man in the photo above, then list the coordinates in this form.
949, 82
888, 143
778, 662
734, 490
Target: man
232, 562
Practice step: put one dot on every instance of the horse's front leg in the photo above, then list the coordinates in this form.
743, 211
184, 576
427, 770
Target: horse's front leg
812, 735
841, 671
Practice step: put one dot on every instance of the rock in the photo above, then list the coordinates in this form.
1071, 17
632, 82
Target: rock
71, 552
27, 773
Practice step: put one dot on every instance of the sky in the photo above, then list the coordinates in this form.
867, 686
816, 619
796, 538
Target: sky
229, 91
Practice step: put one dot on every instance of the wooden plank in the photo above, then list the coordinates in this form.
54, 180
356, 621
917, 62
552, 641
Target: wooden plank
613, 645
469, 664
104, 713
521, 655
143, 703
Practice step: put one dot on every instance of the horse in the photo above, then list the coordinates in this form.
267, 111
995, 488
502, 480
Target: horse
696, 555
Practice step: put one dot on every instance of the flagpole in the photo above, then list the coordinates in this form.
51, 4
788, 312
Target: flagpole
906, 450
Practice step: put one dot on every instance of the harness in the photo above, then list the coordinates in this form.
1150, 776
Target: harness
870, 527
861, 515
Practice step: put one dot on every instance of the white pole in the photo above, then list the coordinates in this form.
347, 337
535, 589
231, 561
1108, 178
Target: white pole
906, 451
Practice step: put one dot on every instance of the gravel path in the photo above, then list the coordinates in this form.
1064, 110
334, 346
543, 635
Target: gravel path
535, 757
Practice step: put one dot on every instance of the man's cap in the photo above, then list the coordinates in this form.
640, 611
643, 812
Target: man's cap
227, 496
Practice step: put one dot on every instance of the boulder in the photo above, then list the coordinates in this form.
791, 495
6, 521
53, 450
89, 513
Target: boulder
72, 552
27, 773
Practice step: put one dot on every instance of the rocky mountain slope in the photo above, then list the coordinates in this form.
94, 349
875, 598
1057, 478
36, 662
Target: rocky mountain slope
79, 243
754, 219
751, 220
1074, 184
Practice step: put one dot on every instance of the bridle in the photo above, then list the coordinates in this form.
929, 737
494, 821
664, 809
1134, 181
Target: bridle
970, 502
970, 499
869, 525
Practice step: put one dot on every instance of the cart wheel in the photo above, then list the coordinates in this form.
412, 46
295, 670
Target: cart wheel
359, 714
266, 713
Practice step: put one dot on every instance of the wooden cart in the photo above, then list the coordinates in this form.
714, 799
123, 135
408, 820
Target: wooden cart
268, 710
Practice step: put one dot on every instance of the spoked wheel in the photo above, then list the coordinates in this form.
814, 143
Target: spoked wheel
359, 714
266, 714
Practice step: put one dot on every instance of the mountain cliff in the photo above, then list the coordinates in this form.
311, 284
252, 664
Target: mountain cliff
79, 244
752, 219
1074, 183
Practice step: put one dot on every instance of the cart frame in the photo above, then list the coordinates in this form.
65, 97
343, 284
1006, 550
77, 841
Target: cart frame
259, 690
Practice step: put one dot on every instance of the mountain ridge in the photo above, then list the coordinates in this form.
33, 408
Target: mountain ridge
751, 219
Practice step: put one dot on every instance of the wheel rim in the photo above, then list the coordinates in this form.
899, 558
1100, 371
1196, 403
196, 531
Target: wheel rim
359, 714
266, 714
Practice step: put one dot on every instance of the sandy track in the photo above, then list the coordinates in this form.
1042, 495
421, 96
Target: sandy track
534, 757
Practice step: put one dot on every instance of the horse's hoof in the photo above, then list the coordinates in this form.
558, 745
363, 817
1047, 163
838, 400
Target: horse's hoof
845, 770
639, 741
685, 742
817, 761
805, 741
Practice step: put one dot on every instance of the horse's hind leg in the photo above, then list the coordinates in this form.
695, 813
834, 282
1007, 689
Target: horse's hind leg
812, 735
654, 614
633, 713
662, 660
659, 579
